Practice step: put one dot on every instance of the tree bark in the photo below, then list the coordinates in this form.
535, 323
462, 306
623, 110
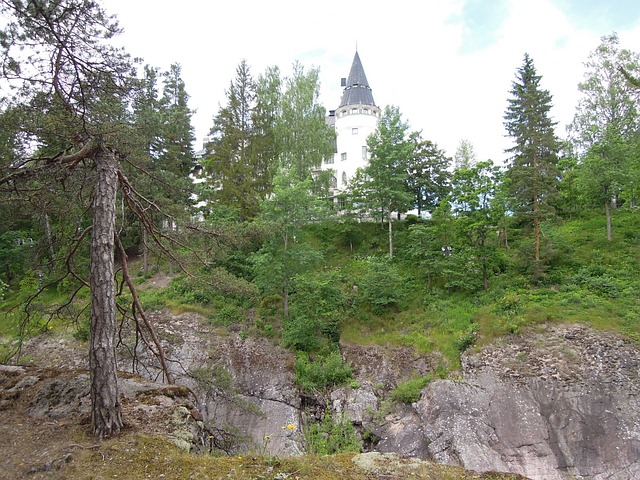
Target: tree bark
106, 414
390, 234
536, 229
485, 274
47, 232
285, 286
607, 212
145, 250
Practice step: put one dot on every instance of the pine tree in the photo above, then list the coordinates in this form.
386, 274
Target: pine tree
532, 172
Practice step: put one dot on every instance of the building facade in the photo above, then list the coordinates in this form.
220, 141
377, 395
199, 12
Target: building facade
354, 120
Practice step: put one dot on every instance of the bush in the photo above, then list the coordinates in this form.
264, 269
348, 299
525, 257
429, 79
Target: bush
316, 306
382, 286
329, 437
468, 337
322, 373
228, 315
410, 391
301, 332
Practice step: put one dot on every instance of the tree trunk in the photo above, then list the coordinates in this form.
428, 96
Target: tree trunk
390, 234
106, 414
536, 233
171, 227
607, 212
145, 250
485, 274
47, 232
285, 286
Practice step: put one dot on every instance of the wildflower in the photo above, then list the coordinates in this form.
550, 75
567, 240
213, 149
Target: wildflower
291, 426
267, 437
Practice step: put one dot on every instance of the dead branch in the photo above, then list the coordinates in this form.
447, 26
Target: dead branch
140, 310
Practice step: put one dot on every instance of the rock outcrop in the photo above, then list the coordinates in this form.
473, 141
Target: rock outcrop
559, 404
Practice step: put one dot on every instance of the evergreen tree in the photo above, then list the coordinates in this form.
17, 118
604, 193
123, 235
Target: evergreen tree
241, 152
176, 149
74, 109
74, 106
532, 172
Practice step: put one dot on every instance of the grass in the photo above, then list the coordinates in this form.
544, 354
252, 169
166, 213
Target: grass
141, 457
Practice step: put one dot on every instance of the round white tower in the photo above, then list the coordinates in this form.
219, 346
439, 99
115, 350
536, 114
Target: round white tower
354, 120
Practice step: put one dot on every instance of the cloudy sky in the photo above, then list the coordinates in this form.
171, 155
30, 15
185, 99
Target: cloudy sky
447, 64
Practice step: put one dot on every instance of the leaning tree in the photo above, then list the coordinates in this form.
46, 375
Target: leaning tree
71, 87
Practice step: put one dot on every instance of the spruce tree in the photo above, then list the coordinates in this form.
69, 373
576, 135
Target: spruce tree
241, 153
532, 173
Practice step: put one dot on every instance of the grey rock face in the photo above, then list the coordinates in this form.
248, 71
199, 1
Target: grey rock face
555, 405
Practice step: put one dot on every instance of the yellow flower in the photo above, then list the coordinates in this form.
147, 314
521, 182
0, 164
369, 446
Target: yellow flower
291, 426
267, 437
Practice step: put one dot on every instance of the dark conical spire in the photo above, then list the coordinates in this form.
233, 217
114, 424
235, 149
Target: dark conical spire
357, 90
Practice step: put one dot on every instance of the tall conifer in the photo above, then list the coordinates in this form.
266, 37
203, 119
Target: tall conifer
532, 173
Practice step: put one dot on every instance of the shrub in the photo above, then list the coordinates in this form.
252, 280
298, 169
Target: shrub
410, 391
329, 437
228, 315
322, 373
301, 332
382, 286
467, 338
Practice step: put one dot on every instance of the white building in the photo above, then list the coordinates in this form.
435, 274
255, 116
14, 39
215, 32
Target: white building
354, 120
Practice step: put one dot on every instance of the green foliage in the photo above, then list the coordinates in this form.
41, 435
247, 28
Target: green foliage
409, 391
382, 285
532, 173
82, 330
228, 315
16, 251
321, 373
240, 156
468, 337
317, 303
301, 131
331, 437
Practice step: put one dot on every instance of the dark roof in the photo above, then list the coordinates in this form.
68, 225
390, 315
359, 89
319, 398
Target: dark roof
357, 90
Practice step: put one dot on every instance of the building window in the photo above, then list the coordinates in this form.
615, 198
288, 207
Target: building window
334, 181
343, 156
365, 153
329, 160
354, 131
354, 110
344, 178
366, 111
